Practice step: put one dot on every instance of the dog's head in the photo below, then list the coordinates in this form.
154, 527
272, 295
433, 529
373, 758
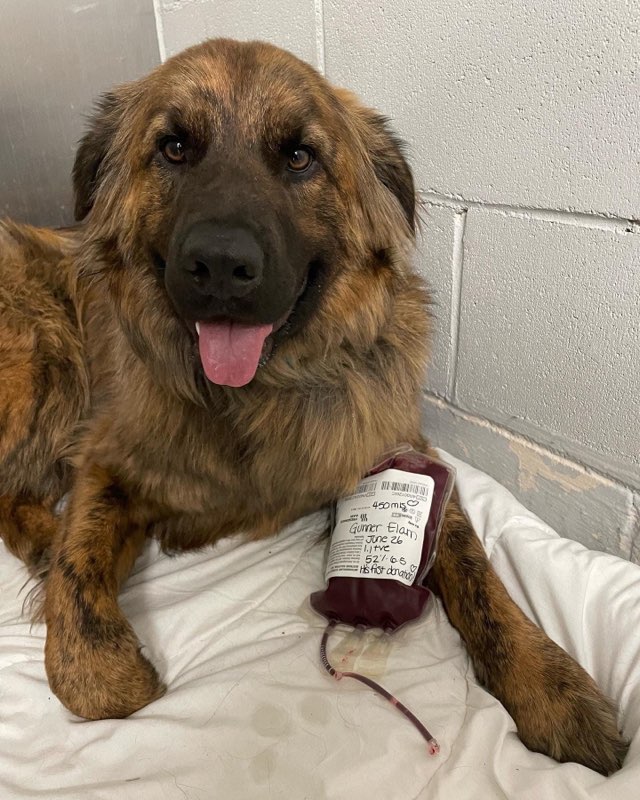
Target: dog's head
239, 202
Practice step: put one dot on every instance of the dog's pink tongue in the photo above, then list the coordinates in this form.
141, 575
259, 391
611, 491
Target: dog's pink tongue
230, 352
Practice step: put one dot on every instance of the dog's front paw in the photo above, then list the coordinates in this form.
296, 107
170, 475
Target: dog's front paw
559, 711
99, 672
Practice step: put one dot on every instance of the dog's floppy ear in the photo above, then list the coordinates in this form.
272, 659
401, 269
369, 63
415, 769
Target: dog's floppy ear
389, 161
386, 153
93, 150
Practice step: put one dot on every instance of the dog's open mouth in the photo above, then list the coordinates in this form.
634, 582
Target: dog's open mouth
232, 351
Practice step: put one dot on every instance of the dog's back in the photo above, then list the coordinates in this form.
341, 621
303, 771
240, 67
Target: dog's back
43, 387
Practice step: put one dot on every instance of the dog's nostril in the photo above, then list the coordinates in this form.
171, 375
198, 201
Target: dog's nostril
200, 271
242, 274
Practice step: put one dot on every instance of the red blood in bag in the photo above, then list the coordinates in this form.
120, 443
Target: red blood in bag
387, 603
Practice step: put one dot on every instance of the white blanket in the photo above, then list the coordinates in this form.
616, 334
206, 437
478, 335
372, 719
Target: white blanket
250, 712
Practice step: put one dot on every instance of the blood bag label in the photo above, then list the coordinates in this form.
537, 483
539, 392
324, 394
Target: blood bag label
380, 528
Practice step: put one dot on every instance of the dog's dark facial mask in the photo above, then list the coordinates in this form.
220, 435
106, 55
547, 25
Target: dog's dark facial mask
237, 261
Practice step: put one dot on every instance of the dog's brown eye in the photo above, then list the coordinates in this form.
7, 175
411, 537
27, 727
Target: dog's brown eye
173, 150
300, 159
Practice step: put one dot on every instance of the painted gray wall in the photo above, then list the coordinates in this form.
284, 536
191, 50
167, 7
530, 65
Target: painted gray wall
522, 121
56, 56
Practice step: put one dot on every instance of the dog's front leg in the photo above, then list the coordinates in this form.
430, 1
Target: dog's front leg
92, 655
556, 705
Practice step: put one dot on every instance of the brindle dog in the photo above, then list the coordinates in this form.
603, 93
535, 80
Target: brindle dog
228, 341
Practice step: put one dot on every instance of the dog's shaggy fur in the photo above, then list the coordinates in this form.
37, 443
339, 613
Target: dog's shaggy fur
102, 392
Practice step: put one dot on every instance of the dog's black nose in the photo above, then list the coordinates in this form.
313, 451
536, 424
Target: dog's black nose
222, 262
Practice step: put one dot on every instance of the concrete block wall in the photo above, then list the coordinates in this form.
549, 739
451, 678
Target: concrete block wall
523, 125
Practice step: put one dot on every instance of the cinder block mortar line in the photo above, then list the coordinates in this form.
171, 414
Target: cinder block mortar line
457, 266
320, 48
157, 13
520, 438
565, 217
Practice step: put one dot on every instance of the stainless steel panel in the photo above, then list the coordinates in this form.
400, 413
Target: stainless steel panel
56, 56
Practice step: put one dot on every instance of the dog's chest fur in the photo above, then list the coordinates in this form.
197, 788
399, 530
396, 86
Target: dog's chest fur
280, 460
